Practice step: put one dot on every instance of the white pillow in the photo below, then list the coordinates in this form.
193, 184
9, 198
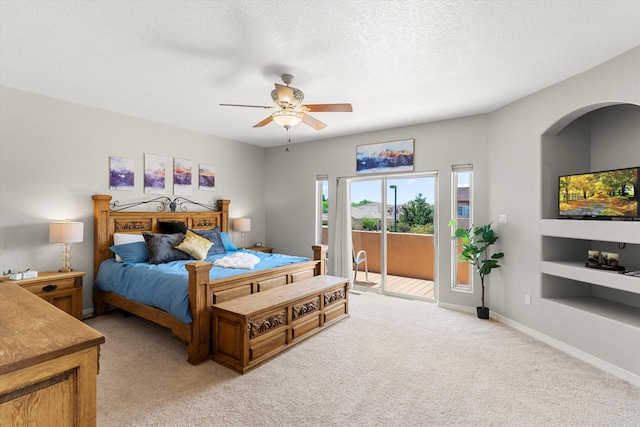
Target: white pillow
124, 238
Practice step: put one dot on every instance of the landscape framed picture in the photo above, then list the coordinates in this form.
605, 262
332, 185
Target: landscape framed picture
394, 156
121, 173
154, 174
182, 172
206, 177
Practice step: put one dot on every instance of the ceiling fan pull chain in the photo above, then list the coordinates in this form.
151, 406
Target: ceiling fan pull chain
289, 140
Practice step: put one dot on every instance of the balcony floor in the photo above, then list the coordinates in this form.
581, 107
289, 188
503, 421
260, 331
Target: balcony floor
403, 285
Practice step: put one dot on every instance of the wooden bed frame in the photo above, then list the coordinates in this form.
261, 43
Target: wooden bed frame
203, 293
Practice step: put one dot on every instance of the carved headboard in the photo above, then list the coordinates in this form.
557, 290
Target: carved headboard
106, 222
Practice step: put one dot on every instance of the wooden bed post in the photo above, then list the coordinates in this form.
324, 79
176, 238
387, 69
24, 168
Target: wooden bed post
320, 253
198, 347
223, 206
101, 211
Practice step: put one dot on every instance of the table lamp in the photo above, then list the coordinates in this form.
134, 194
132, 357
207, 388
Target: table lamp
66, 232
243, 225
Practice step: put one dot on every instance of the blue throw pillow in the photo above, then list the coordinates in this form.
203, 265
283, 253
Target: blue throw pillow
227, 242
131, 252
214, 237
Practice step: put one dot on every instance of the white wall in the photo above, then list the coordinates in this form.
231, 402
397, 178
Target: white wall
54, 155
291, 183
505, 148
515, 139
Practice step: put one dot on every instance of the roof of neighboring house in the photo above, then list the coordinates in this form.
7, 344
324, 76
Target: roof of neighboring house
371, 210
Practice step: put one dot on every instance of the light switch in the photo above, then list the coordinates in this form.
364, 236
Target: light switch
503, 218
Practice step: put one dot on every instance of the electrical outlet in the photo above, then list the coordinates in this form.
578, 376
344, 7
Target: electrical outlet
527, 299
503, 218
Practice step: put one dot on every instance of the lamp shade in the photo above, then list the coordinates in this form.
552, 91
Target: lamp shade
66, 232
242, 224
287, 119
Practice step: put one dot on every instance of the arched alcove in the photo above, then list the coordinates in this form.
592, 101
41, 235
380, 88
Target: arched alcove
599, 137
595, 138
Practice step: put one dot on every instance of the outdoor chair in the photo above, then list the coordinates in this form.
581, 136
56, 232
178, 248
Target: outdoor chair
358, 259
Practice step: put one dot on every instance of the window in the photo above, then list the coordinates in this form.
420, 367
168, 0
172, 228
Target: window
322, 209
463, 211
461, 274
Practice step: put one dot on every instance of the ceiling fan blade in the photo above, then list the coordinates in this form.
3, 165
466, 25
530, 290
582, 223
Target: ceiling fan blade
252, 106
314, 123
316, 108
264, 122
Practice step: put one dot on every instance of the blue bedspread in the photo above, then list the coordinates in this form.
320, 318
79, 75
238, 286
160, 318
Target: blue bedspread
165, 286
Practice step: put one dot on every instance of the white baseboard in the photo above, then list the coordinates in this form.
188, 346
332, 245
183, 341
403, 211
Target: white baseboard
456, 307
559, 345
577, 353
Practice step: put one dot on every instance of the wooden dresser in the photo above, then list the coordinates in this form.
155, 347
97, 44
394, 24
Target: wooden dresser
48, 363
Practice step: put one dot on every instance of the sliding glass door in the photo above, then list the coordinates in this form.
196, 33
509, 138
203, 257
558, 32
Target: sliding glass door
392, 223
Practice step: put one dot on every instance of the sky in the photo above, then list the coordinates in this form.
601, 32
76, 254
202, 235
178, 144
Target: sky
408, 189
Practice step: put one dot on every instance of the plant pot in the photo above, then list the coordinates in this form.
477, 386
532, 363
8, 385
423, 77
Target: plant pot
483, 312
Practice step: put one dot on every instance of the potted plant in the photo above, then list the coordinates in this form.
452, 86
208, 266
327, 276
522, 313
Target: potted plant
475, 243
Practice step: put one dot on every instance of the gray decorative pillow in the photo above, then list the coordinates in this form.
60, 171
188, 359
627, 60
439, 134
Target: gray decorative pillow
213, 235
162, 248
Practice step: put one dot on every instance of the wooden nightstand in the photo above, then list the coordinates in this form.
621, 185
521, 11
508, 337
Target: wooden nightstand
261, 249
64, 290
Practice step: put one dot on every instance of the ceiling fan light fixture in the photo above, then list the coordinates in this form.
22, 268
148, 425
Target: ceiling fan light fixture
287, 119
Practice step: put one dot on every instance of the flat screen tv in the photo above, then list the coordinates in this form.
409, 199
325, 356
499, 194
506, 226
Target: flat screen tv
605, 195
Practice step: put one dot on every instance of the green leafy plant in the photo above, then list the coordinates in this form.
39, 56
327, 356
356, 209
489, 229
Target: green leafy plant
475, 243
370, 224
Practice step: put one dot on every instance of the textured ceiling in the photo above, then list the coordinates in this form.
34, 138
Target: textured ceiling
397, 62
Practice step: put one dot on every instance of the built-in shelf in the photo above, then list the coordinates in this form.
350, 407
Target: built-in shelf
627, 314
589, 143
577, 271
606, 231
599, 309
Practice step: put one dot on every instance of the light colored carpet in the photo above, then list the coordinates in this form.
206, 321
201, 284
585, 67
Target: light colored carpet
394, 362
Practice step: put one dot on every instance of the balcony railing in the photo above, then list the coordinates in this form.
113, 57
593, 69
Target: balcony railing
408, 254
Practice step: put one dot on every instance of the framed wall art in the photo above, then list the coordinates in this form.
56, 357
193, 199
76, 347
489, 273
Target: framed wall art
206, 177
154, 174
121, 173
182, 171
394, 156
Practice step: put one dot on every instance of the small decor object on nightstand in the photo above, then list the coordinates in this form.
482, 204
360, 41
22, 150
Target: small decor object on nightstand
29, 274
66, 232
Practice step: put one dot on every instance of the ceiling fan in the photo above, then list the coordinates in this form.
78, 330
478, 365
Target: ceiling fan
291, 109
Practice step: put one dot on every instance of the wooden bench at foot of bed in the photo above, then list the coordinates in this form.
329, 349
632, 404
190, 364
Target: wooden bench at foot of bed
250, 330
